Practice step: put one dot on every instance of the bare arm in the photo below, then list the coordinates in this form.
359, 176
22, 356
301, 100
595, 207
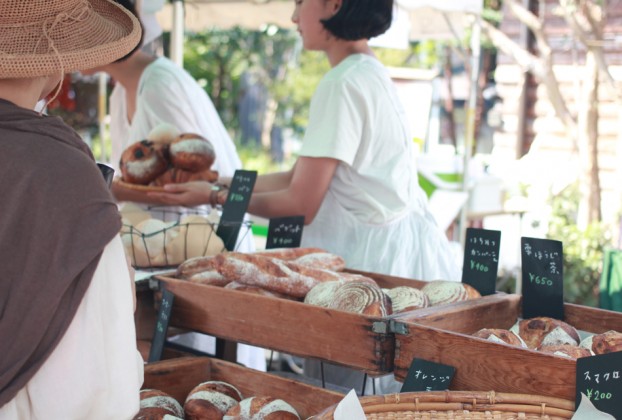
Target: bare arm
303, 195
268, 182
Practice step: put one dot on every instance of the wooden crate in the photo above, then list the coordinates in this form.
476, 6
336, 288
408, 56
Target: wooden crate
358, 341
177, 377
442, 335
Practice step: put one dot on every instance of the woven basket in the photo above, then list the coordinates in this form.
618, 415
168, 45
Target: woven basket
459, 405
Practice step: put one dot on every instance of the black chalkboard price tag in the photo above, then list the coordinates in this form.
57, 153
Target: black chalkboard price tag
424, 375
481, 259
600, 379
542, 277
235, 207
159, 335
285, 232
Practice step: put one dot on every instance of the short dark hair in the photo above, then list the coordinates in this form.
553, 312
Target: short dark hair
360, 19
129, 5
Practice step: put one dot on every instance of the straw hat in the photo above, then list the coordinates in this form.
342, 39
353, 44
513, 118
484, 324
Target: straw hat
42, 37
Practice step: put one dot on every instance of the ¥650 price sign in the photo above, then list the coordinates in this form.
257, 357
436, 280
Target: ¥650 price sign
542, 276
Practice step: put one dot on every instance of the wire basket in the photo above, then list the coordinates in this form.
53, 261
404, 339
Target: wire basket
169, 237
461, 405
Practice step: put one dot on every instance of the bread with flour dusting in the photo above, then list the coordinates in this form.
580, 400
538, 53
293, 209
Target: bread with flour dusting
406, 298
262, 408
234, 285
211, 400
362, 298
498, 335
155, 404
441, 292
273, 274
568, 351
544, 331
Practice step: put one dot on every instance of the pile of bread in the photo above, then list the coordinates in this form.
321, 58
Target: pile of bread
553, 336
151, 242
316, 277
168, 156
212, 400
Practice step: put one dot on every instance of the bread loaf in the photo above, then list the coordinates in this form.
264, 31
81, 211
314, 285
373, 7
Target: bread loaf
441, 292
211, 400
566, 350
607, 342
176, 176
544, 331
142, 162
405, 298
288, 254
262, 408
192, 152
196, 265
155, 404
234, 285
272, 274
362, 298
500, 336
323, 260
322, 294
196, 237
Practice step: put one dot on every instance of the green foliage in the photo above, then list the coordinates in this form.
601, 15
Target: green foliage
583, 249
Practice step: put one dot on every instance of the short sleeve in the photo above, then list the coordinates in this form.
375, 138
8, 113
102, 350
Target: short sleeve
336, 122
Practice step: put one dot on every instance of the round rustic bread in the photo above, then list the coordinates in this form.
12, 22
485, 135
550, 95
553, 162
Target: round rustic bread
322, 293
211, 400
607, 342
544, 331
566, 350
441, 292
192, 152
362, 298
142, 162
262, 408
155, 404
498, 335
405, 298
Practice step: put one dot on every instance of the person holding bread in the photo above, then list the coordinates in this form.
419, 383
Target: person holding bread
67, 334
355, 179
153, 93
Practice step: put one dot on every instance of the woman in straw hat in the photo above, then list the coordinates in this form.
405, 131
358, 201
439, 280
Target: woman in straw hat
67, 336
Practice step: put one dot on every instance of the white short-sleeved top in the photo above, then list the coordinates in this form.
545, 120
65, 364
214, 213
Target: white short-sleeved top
356, 117
374, 213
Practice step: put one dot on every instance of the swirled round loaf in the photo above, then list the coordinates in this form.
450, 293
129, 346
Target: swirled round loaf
155, 404
211, 400
441, 292
362, 298
405, 298
262, 408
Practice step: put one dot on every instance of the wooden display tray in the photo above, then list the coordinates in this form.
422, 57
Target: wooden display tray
358, 341
177, 377
483, 365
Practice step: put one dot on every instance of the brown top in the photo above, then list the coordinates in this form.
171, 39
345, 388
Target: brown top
56, 217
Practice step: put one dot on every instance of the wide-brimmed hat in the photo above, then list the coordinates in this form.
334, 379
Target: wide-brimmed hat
43, 37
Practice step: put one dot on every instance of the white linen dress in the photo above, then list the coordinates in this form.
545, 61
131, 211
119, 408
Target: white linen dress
374, 214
